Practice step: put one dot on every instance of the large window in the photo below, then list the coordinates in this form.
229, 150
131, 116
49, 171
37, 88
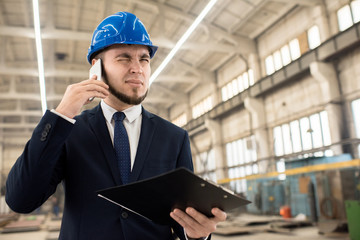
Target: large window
269, 65
348, 15
237, 85
285, 55
313, 37
180, 120
202, 107
294, 49
241, 159
300, 135
291, 51
303, 134
355, 105
282, 57
206, 165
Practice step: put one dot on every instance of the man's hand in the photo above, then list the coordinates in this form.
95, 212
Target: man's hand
78, 94
196, 224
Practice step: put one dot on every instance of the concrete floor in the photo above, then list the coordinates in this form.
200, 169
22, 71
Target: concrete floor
257, 232
305, 233
308, 233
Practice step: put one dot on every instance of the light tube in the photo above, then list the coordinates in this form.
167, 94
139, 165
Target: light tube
182, 40
39, 54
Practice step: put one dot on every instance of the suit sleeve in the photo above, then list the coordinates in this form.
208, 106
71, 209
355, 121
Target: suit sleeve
37, 172
185, 158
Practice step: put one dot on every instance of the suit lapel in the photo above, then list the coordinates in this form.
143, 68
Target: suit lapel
98, 125
148, 127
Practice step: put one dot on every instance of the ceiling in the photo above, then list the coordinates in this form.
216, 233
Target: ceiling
230, 28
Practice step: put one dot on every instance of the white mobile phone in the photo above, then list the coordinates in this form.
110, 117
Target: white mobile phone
95, 70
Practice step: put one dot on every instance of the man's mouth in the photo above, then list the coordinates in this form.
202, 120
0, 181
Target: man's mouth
134, 82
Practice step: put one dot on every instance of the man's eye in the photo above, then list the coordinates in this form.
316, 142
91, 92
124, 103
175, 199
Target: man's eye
145, 60
123, 59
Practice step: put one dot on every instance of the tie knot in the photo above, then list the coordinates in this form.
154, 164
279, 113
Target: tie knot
119, 116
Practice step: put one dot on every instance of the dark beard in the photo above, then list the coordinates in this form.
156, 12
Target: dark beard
122, 97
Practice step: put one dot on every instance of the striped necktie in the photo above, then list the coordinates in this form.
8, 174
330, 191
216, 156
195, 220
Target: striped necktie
121, 146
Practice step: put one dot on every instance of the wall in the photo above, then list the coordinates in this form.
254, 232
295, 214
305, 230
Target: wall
231, 70
298, 99
305, 94
235, 126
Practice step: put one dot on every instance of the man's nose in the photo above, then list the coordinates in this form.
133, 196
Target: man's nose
136, 67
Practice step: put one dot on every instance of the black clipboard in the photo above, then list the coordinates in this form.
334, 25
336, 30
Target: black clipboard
156, 197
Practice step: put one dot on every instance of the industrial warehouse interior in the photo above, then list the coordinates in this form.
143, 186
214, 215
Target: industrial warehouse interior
267, 90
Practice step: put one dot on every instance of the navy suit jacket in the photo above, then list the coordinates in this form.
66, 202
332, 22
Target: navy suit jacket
82, 156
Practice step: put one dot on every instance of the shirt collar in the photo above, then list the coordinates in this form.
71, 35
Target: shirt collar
131, 113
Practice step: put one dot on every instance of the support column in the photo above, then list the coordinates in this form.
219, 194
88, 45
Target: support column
325, 75
257, 111
216, 138
188, 111
254, 65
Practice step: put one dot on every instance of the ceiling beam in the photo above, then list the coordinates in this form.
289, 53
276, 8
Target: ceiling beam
174, 95
29, 96
56, 34
155, 99
46, 33
33, 72
204, 24
21, 113
17, 125
178, 79
309, 3
52, 33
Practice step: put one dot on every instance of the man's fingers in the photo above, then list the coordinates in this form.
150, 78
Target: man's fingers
93, 77
197, 224
219, 215
92, 81
78, 94
192, 228
94, 89
197, 216
180, 217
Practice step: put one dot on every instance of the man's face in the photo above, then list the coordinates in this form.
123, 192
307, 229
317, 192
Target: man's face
127, 72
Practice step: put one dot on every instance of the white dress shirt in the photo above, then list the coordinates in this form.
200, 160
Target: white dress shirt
132, 123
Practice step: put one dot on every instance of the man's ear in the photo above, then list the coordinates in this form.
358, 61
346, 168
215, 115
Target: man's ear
93, 61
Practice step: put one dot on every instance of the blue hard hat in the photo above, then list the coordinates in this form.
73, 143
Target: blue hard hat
119, 28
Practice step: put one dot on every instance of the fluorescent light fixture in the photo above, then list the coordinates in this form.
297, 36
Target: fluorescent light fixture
182, 40
39, 54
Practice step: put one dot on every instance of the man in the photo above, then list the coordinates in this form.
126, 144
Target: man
79, 150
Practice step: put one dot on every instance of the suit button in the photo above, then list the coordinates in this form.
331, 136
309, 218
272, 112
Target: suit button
44, 133
124, 215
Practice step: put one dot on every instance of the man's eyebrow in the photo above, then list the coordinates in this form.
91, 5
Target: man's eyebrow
123, 55
145, 55
126, 55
